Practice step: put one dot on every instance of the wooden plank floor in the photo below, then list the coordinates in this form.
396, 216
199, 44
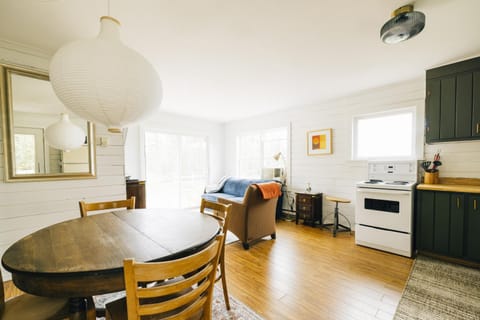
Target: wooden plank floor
307, 274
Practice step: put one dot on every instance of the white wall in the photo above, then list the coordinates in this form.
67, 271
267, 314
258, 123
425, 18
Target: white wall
28, 206
337, 174
334, 174
169, 123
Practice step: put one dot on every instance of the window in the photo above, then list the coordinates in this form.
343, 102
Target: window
255, 152
176, 169
386, 135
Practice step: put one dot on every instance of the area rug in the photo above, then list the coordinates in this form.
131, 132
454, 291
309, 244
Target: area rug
238, 311
438, 290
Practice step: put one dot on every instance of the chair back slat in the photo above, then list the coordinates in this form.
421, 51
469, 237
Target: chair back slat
105, 205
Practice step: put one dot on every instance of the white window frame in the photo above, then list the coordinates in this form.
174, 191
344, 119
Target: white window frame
355, 137
261, 157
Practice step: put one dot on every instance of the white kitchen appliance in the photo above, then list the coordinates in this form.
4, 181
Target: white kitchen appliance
384, 207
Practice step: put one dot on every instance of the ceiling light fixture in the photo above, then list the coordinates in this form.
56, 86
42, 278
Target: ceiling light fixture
404, 24
65, 135
104, 81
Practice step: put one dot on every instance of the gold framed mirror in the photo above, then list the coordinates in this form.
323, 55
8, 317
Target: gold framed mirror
28, 107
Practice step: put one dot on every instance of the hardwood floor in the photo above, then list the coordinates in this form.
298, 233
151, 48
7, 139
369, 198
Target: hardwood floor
307, 274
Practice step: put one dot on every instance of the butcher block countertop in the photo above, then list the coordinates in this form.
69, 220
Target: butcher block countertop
468, 185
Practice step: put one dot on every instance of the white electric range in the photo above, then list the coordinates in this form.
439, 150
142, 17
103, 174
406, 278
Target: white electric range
384, 207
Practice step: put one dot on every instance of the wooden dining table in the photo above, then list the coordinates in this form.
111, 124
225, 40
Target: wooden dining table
84, 257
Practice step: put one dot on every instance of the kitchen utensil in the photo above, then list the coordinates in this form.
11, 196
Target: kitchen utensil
426, 164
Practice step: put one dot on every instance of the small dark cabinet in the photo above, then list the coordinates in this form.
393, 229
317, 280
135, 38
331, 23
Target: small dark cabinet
448, 224
137, 189
452, 105
309, 208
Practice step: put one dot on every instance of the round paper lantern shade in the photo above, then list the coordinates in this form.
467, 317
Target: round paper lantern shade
64, 135
104, 81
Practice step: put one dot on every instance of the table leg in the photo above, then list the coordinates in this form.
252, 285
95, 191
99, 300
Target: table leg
82, 309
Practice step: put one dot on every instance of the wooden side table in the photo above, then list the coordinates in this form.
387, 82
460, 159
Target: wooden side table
137, 189
309, 207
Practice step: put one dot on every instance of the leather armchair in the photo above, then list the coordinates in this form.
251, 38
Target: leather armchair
254, 218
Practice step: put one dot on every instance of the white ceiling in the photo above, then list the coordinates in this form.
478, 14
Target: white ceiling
226, 60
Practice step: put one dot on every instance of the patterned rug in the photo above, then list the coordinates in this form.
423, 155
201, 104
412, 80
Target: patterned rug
238, 311
438, 290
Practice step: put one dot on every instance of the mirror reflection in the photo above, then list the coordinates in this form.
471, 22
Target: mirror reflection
29, 106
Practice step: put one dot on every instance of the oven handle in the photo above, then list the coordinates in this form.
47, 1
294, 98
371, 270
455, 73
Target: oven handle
382, 191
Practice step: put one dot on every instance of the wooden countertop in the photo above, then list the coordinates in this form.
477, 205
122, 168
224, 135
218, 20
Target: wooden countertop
453, 185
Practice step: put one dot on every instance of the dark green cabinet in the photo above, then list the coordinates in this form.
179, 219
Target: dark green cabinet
448, 223
473, 228
452, 105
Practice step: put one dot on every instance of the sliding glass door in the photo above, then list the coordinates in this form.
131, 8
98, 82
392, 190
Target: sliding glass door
176, 169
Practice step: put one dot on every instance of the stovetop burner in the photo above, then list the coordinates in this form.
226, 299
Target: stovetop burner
400, 183
394, 175
374, 181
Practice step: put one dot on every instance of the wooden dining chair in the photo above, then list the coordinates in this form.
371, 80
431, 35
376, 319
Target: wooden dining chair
30, 307
221, 212
105, 205
97, 206
183, 287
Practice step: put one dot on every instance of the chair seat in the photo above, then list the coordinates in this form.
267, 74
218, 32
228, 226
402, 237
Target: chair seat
30, 307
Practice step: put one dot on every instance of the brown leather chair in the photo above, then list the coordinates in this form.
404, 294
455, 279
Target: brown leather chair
30, 307
254, 218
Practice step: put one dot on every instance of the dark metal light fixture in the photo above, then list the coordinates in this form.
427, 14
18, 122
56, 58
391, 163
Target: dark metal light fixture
404, 24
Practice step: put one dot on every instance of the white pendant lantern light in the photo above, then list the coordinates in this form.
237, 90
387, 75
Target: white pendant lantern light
65, 135
104, 81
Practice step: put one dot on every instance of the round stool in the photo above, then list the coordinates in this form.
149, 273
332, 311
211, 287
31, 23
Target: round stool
336, 226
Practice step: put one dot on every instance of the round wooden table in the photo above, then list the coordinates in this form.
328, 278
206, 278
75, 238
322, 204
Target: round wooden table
84, 257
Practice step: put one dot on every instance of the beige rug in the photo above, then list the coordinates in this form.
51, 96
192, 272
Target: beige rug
238, 311
438, 290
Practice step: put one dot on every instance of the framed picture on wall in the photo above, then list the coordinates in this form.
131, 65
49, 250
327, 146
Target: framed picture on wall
319, 142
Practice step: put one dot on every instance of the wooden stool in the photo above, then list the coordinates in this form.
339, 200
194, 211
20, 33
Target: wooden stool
336, 226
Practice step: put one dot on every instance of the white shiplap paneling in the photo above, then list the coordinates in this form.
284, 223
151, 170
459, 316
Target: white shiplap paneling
29, 206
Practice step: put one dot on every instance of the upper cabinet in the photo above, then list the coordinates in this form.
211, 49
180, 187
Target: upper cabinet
453, 102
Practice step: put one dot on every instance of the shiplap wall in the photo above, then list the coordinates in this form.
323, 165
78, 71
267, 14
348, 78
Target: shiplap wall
28, 206
460, 159
334, 174
337, 174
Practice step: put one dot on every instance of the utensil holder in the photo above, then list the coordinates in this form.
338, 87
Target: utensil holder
431, 177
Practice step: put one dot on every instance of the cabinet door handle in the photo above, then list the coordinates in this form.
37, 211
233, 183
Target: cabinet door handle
478, 127
474, 204
458, 202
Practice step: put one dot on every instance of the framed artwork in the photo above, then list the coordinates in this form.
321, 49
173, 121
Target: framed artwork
319, 142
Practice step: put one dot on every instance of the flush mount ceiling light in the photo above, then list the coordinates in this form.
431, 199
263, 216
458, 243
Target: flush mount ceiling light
104, 81
404, 24
64, 135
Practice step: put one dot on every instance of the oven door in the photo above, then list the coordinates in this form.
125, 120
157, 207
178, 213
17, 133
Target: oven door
385, 209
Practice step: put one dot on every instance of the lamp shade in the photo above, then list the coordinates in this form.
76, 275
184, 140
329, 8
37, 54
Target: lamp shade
104, 81
64, 135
